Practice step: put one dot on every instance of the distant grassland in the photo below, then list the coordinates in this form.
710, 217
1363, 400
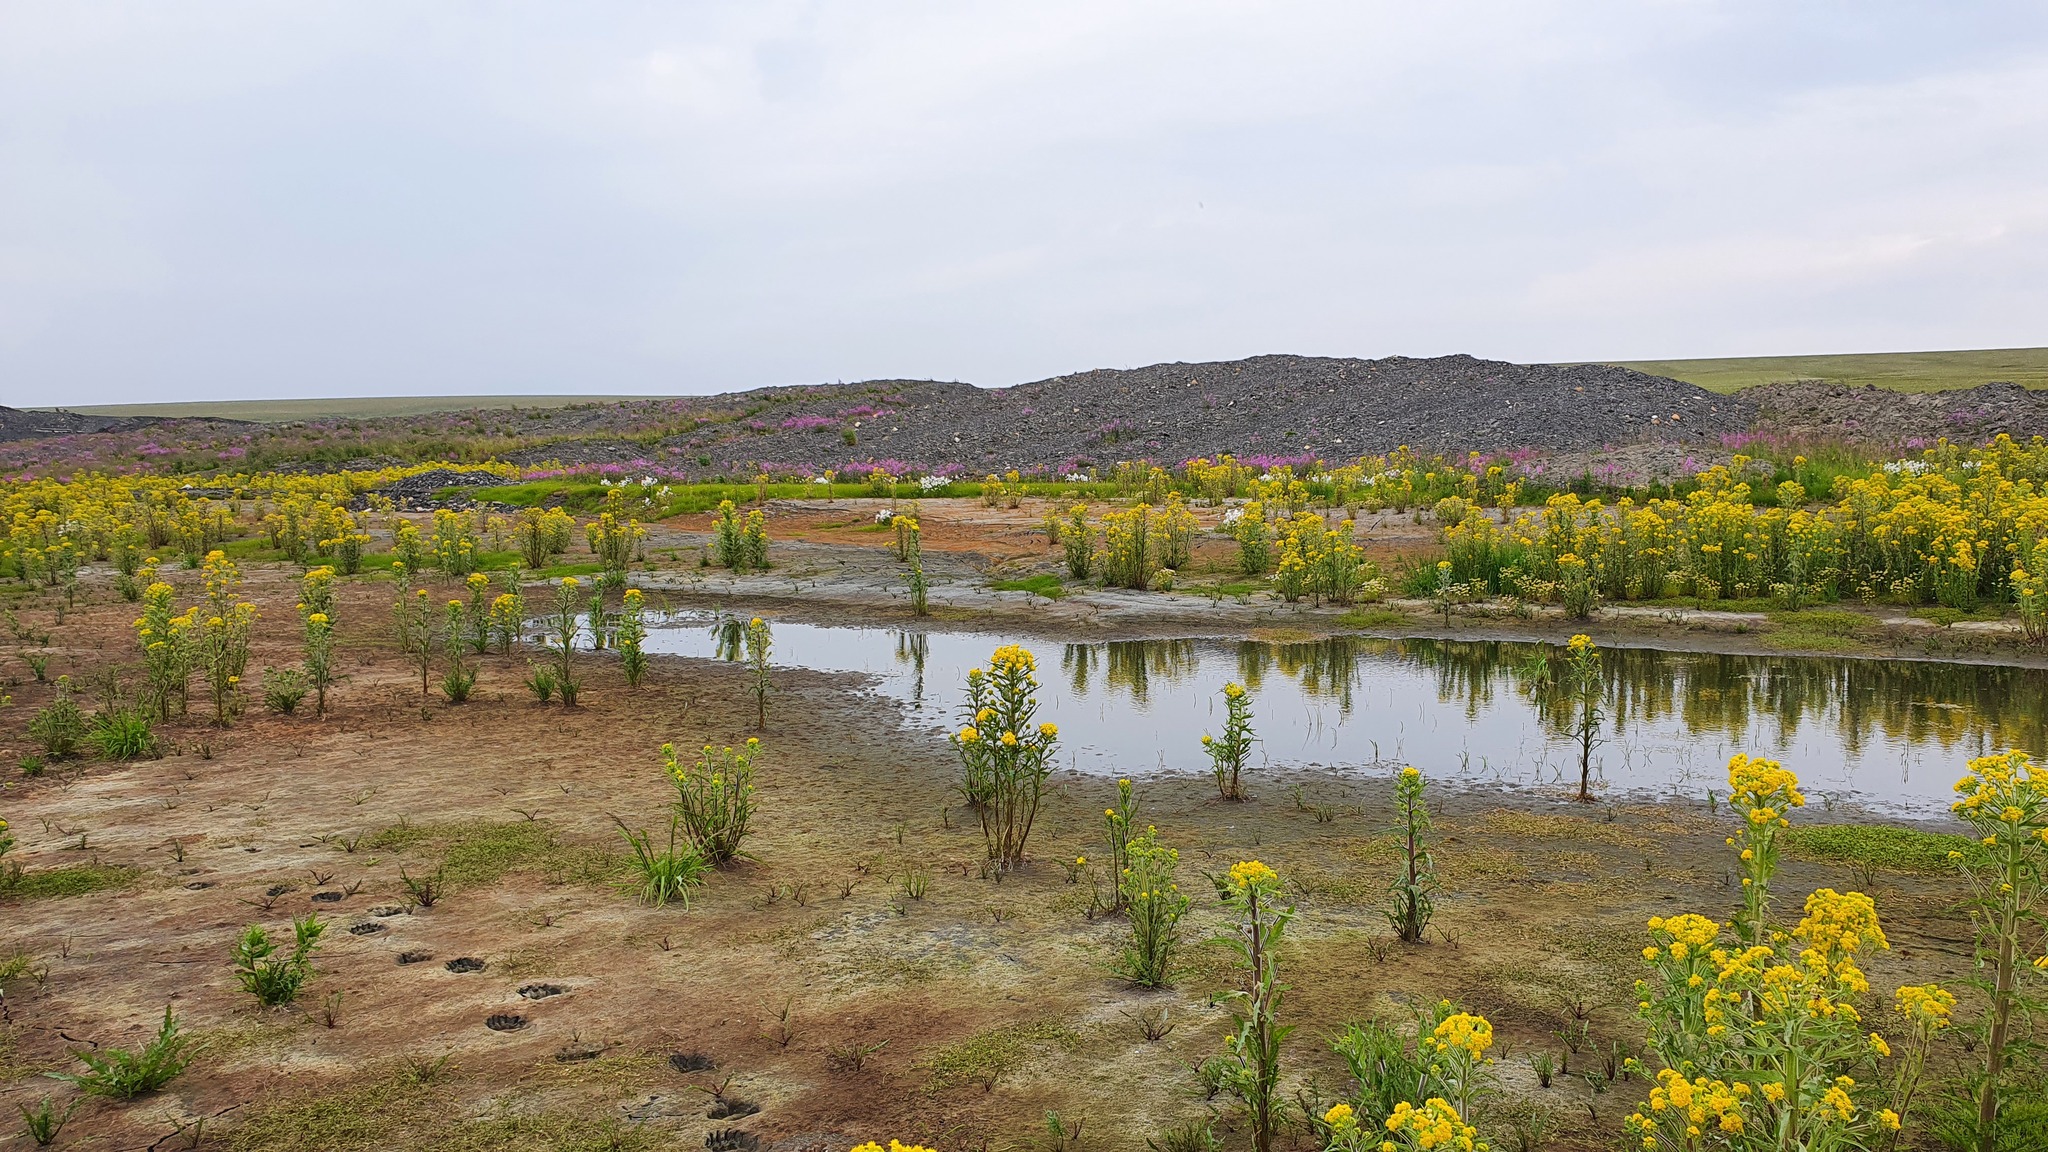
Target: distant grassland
339, 408
1899, 371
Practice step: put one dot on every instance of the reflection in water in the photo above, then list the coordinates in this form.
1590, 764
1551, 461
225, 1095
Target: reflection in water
1892, 733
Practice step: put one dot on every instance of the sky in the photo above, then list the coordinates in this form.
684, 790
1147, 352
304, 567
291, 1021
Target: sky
211, 200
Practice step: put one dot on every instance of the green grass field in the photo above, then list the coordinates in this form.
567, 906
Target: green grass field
1900, 371
341, 407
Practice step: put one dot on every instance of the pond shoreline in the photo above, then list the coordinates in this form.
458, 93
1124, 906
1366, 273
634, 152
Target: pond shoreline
824, 585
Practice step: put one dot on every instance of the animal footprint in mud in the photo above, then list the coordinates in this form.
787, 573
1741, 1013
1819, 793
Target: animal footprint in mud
505, 1022
366, 928
541, 991
414, 957
731, 1140
327, 897
465, 964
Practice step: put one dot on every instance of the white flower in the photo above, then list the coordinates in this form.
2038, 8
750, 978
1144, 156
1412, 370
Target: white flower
646, 480
883, 516
1076, 477
1233, 516
931, 483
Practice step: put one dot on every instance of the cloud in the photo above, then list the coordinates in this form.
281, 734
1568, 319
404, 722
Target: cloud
245, 200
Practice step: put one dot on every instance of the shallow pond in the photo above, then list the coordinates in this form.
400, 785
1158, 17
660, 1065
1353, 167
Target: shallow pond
1892, 735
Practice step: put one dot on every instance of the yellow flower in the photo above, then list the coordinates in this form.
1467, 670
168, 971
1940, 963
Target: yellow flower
1009, 739
1248, 874
1048, 730
1341, 1118
969, 734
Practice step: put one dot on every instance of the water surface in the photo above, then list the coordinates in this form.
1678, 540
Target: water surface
1892, 735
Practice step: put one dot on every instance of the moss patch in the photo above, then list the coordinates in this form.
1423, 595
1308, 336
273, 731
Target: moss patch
77, 880
1878, 846
986, 1057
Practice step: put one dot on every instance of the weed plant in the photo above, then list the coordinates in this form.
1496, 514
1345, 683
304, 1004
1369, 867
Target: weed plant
124, 1075
662, 874
1004, 757
715, 797
271, 975
1414, 888
1229, 753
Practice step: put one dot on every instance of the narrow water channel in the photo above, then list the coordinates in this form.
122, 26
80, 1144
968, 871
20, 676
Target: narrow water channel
1890, 735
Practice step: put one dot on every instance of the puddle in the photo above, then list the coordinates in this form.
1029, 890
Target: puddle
1892, 735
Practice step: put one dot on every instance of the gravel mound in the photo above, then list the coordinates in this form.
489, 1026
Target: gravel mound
1268, 406
1877, 416
418, 491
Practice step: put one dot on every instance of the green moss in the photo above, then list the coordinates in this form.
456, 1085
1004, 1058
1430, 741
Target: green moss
1878, 846
986, 1057
478, 852
398, 1109
76, 880
1044, 584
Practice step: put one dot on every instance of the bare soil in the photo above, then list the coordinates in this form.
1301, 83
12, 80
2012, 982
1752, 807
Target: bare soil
993, 997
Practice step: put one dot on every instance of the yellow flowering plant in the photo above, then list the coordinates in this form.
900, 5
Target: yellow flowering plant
2005, 802
1004, 756
630, 637
316, 615
758, 639
714, 797
1249, 1067
1155, 905
223, 635
564, 625
1760, 1036
1229, 753
1445, 1057
168, 649
1414, 888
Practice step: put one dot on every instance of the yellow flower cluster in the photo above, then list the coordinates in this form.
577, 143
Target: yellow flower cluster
1465, 1032
1764, 786
1702, 1103
1013, 657
1249, 874
894, 1146
2000, 789
1925, 1005
1434, 1125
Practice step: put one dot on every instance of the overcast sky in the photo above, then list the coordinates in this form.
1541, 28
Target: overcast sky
212, 200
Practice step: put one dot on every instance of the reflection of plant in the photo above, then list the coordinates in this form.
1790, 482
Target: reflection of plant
1413, 890
759, 640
